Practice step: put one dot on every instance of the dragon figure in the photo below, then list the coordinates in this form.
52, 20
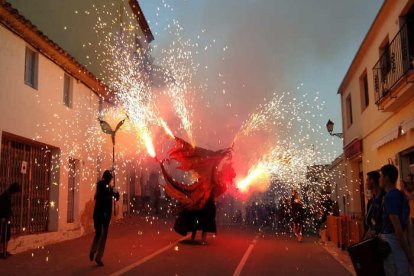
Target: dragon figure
213, 169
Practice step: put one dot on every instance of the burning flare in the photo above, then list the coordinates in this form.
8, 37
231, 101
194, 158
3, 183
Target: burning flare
166, 129
148, 143
257, 179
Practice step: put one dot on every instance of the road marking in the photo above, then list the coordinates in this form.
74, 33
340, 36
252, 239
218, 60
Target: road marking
145, 259
246, 255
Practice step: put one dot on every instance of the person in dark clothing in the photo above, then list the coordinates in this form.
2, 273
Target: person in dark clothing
395, 215
5, 216
102, 215
326, 208
373, 219
195, 220
298, 214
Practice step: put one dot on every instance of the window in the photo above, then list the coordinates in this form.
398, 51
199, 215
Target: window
67, 91
349, 111
364, 91
30, 68
385, 59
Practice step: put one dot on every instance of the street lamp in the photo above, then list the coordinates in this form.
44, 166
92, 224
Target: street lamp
330, 126
106, 128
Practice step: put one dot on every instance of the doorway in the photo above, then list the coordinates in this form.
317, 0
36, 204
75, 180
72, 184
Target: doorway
29, 164
73, 189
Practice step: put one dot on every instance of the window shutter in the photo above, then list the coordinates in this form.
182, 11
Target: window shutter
67, 92
27, 65
30, 68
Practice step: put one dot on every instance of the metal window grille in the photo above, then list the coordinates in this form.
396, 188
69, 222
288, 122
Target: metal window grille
30, 208
396, 60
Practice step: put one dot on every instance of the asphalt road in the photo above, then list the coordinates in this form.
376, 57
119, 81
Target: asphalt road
149, 247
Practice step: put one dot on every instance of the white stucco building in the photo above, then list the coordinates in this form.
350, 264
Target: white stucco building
377, 99
50, 138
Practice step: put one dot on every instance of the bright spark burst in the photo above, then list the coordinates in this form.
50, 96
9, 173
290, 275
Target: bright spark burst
126, 71
178, 62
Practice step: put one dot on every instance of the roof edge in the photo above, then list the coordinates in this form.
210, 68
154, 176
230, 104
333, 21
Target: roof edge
22, 27
142, 21
363, 44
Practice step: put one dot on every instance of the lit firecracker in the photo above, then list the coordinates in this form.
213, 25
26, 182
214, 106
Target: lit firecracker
255, 175
167, 129
148, 144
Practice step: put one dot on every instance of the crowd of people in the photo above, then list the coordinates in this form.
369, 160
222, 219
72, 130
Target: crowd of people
261, 214
292, 214
389, 217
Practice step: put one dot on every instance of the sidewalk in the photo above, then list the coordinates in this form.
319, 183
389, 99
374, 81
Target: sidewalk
340, 255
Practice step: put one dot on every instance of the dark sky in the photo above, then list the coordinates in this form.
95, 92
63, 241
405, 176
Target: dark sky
263, 47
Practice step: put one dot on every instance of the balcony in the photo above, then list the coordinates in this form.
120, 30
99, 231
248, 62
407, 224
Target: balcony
393, 73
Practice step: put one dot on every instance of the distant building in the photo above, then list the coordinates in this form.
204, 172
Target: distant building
49, 104
318, 174
340, 192
377, 100
317, 184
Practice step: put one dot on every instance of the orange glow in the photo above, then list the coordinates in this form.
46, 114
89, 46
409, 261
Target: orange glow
256, 179
148, 144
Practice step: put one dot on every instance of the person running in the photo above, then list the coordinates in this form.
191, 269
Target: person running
395, 221
297, 215
5, 216
102, 216
373, 219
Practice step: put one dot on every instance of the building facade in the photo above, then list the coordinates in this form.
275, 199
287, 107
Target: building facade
340, 193
81, 27
51, 142
377, 101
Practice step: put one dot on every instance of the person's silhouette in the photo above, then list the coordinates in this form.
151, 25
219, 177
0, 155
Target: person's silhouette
5, 216
102, 215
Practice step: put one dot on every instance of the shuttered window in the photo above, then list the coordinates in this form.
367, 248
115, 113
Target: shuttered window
30, 69
349, 114
67, 91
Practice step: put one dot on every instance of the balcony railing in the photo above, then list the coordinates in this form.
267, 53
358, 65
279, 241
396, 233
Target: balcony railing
394, 63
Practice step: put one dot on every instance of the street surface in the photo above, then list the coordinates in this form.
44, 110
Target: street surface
139, 247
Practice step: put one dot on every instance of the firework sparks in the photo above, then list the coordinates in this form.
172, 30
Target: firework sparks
262, 119
290, 147
290, 142
178, 62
